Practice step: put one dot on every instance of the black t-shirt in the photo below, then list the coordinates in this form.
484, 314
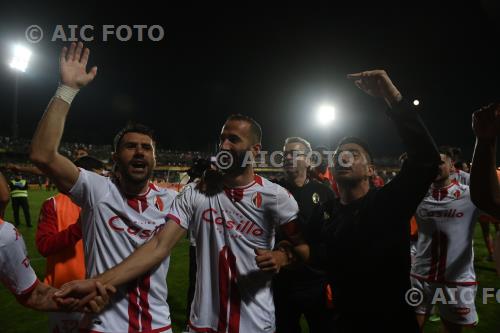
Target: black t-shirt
364, 246
308, 197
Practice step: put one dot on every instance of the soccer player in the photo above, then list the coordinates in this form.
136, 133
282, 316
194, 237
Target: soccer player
119, 214
59, 239
445, 258
364, 235
302, 289
232, 216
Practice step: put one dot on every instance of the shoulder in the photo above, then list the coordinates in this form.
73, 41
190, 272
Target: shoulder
8, 234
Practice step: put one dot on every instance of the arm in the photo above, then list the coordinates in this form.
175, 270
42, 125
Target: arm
25, 169
4, 194
48, 239
46, 140
287, 252
421, 167
484, 187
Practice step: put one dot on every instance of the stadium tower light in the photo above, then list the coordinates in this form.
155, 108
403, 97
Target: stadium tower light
325, 114
19, 63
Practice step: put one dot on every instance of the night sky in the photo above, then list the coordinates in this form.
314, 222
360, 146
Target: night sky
274, 64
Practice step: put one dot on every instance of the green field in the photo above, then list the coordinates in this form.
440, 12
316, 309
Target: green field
16, 319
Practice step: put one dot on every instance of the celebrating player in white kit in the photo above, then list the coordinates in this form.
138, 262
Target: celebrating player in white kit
231, 224
118, 215
444, 265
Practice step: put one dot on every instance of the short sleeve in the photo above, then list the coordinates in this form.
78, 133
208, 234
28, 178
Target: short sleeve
89, 189
182, 210
15, 269
287, 209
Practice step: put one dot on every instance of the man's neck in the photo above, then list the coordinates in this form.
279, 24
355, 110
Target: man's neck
298, 180
242, 179
441, 183
131, 189
352, 192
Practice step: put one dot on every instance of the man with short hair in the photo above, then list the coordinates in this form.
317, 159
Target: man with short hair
444, 263
232, 214
302, 289
364, 236
118, 215
19, 197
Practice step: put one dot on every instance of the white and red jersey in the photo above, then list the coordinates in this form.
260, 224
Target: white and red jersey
113, 227
232, 295
460, 177
446, 219
15, 269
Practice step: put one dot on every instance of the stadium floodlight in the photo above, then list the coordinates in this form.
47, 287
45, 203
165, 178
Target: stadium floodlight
21, 58
325, 114
416, 102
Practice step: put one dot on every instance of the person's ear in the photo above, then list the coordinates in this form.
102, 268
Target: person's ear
371, 170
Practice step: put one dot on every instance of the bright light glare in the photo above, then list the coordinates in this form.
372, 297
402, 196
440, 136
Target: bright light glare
325, 114
416, 102
21, 58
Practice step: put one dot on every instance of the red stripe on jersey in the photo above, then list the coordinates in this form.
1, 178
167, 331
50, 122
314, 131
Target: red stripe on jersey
146, 318
234, 310
133, 308
174, 218
223, 289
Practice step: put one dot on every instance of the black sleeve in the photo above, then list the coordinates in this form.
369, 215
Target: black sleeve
408, 188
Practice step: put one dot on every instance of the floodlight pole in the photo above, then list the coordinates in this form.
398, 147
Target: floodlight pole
15, 127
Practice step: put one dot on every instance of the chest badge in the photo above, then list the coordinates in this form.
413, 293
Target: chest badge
315, 198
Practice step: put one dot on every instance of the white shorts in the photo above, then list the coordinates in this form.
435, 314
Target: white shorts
455, 303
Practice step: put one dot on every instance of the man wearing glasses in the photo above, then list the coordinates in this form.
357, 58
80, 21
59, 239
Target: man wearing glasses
302, 289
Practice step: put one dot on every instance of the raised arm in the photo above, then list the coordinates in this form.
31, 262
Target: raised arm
484, 187
47, 138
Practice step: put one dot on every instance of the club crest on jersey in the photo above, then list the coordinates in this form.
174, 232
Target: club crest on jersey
456, 194
257, 199
315, 198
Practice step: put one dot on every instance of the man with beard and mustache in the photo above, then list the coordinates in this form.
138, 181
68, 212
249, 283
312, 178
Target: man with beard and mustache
232, 215
302, 289
118, 215
363, 235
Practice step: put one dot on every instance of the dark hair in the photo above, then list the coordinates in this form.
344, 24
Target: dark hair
255, 128
359, 142
459, 164
446, 150
89, 163
132, 128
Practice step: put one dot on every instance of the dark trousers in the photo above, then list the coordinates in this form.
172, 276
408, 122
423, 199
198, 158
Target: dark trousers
23, 203
291, 303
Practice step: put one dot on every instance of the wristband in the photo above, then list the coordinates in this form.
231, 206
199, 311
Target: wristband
66, 93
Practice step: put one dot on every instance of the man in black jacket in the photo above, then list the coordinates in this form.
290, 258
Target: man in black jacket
302, 289
364, 234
